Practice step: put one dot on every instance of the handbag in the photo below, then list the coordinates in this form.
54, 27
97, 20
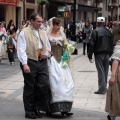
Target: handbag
83, 35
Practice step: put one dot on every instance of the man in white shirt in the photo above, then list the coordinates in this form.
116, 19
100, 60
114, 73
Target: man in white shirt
33, 49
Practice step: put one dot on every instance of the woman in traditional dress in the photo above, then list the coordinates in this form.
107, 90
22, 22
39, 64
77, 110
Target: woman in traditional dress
113, 93
2, 42
60, 74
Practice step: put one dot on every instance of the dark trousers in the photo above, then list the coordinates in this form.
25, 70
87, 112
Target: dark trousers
10, 54
36, 86
84, 47
68, 33
102, 65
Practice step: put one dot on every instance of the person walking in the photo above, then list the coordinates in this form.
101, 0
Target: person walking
33, 50
86, 34
101, 44
11, 47
68, 28
60, 72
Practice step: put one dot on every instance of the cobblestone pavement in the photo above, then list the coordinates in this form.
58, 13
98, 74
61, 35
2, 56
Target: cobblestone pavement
86, 106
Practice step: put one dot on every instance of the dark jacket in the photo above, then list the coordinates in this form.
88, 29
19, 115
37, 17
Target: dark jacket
101, 42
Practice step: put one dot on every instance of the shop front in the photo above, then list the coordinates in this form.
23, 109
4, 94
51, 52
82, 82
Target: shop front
8, 10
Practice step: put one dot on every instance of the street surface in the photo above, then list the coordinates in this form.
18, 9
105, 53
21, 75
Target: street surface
86, 106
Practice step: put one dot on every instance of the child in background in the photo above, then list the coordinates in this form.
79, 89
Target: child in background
11, 46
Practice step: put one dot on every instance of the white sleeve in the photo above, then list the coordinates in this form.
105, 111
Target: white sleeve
1, 33
48, 46
21, 48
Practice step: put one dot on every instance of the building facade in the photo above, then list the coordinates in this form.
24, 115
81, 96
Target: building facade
114, 10
17, 12
7, 10
85, 9
23, 10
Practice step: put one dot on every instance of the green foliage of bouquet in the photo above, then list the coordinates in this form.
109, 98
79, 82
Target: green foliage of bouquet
68, 49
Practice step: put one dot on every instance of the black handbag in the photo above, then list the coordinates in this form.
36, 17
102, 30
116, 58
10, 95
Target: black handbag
83, 35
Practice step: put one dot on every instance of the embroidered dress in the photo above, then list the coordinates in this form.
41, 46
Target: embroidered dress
3, 53
4, 48
116, 54
61, 79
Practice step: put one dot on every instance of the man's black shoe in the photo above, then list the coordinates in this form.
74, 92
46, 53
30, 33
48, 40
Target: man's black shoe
97, 92
31, 116
38, 114
49, 114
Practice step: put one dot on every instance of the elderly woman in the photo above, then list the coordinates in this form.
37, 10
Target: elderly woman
60, 73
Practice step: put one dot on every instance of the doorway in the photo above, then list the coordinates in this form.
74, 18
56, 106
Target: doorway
18, 16
2, 13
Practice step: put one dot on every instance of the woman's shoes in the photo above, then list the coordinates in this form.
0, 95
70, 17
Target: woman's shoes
108, 117
49, 114
66, 113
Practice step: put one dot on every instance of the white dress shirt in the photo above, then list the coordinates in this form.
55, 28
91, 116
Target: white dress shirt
21, 47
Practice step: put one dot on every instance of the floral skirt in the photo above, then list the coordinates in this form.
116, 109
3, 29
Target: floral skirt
46, 106
61, 107
3, 49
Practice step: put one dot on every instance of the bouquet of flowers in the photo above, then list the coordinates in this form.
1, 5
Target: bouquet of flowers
68, 49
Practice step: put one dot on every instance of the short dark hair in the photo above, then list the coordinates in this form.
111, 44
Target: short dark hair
11, 31
56, 21
33, 16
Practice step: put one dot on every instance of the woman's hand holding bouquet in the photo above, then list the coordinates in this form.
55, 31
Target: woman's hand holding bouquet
68, 49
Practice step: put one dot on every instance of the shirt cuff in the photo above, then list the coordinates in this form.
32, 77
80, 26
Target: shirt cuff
24, 62
48, 55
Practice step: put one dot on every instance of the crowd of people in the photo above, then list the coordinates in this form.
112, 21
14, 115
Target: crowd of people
8, 41
43, 50
103, 40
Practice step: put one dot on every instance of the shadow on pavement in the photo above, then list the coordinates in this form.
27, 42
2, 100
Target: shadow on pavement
13, 109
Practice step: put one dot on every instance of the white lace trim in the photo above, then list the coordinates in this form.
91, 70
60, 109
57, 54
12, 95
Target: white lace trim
116, 58
57, 40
